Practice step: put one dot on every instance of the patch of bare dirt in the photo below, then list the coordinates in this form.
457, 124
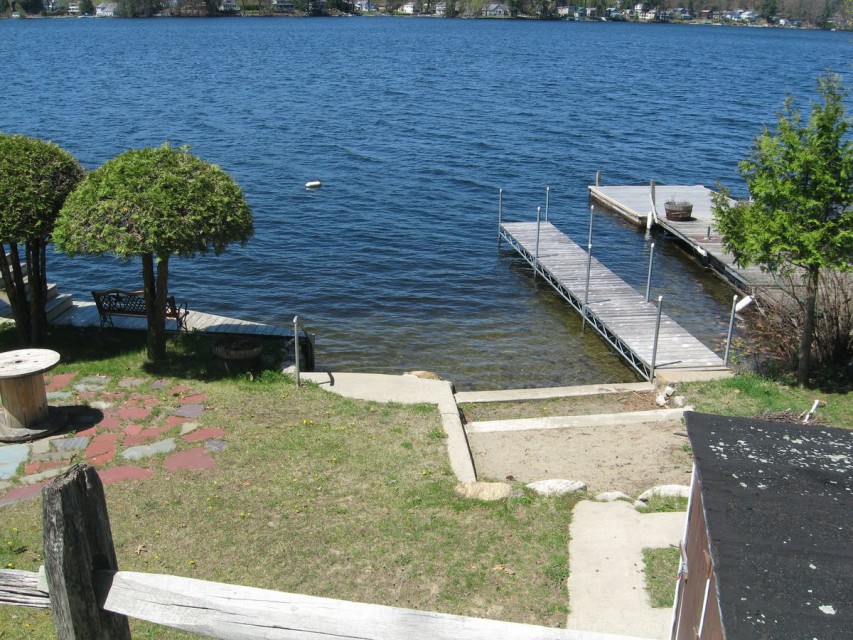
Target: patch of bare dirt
619, 457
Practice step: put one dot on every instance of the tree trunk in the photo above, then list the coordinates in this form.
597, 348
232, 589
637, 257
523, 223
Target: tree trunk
20, 311
36, 289
804, 365
160, 310
150, 287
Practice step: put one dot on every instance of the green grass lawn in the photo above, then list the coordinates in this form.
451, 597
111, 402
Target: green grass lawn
314, 494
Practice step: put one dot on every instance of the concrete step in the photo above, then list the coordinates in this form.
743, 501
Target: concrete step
52, 292
55, 307
515, 395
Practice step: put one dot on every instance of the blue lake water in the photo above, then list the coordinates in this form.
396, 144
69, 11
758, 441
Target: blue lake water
413, 125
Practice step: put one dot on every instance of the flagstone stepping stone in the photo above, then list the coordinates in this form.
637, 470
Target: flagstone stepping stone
146, 434
190, 459
196, 398
173, 420
110, 422
204, 434
131, 383
112, 396
59, 381
134, 413
71, 444
190, 411
43, 465
91, 384
21, 493
54, 396
159, 384
148, 450
11, 457
216, 446
181, 388
101, 444
101, 405
186, 427
121, 474
42, 476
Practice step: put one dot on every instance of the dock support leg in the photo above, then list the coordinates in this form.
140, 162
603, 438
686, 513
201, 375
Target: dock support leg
588, 268
547, 201
536, 257
649, 277
655, 343
729, 335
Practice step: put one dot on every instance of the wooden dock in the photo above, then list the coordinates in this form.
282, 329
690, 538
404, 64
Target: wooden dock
635, 204
85, 314
614, 309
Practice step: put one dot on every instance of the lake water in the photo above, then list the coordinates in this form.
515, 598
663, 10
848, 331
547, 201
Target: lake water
413, 125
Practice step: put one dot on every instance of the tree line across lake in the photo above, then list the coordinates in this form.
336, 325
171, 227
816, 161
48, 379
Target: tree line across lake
816, 13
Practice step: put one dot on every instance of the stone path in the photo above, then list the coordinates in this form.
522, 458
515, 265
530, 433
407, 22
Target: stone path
132, 429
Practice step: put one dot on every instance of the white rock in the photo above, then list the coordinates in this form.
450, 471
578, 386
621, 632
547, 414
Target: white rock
611, 496
484, 490
555, 487
669, 390
424, 375
678, 402
661, 400
666, 490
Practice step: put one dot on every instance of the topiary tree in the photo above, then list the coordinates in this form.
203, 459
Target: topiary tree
800, 218
35, 178
154, 203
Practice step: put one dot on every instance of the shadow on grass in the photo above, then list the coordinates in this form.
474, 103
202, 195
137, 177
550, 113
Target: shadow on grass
121, 352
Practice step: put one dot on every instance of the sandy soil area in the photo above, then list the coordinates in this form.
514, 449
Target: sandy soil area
627, 458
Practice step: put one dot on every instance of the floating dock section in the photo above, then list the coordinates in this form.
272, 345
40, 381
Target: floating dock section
612, 307
637, 203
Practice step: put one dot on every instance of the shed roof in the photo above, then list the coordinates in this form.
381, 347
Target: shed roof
778, 502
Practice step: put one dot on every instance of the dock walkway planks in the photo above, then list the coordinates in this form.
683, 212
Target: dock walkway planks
635, 203
85, 314
618, 312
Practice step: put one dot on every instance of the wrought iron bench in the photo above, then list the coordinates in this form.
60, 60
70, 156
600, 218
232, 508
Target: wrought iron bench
118, 302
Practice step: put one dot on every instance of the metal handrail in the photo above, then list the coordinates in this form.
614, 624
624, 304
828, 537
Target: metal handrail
297, 323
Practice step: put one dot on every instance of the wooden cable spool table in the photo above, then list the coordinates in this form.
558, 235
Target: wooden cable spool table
27, 415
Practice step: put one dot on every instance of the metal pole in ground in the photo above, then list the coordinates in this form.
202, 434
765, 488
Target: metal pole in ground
655, 344
588, 269
649, 277
547, 201
536, 258
729, 336
500, 214
296, 347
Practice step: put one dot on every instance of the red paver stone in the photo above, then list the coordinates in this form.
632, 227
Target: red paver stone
85, 395
85, 433
38, 467
120, 474
112, 395
59, 381
110, 422
133, 430
175, 420
101, 444
205, 434
196, 398
134, 413
142, 436
104, 458
197, 458
181, 388
19, 494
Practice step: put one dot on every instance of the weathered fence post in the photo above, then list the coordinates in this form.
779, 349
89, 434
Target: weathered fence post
77, 542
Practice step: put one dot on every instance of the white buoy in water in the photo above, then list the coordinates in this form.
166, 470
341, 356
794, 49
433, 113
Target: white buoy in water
314, 184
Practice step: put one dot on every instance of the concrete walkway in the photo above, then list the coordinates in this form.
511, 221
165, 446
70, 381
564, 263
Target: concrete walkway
607, 585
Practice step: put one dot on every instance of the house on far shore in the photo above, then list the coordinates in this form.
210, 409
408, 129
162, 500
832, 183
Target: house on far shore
282, 6
495, 10
365, 5
410, 8
229, 6
74, 8
767, 549
106, 10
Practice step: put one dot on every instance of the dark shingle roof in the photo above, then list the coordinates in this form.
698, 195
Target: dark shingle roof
778, 501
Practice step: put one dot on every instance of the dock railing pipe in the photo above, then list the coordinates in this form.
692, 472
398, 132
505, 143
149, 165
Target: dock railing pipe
652, 217
296, 354
536, 258
588, 268
649, 277
500, 214
547, 201
655, 343
729, 335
